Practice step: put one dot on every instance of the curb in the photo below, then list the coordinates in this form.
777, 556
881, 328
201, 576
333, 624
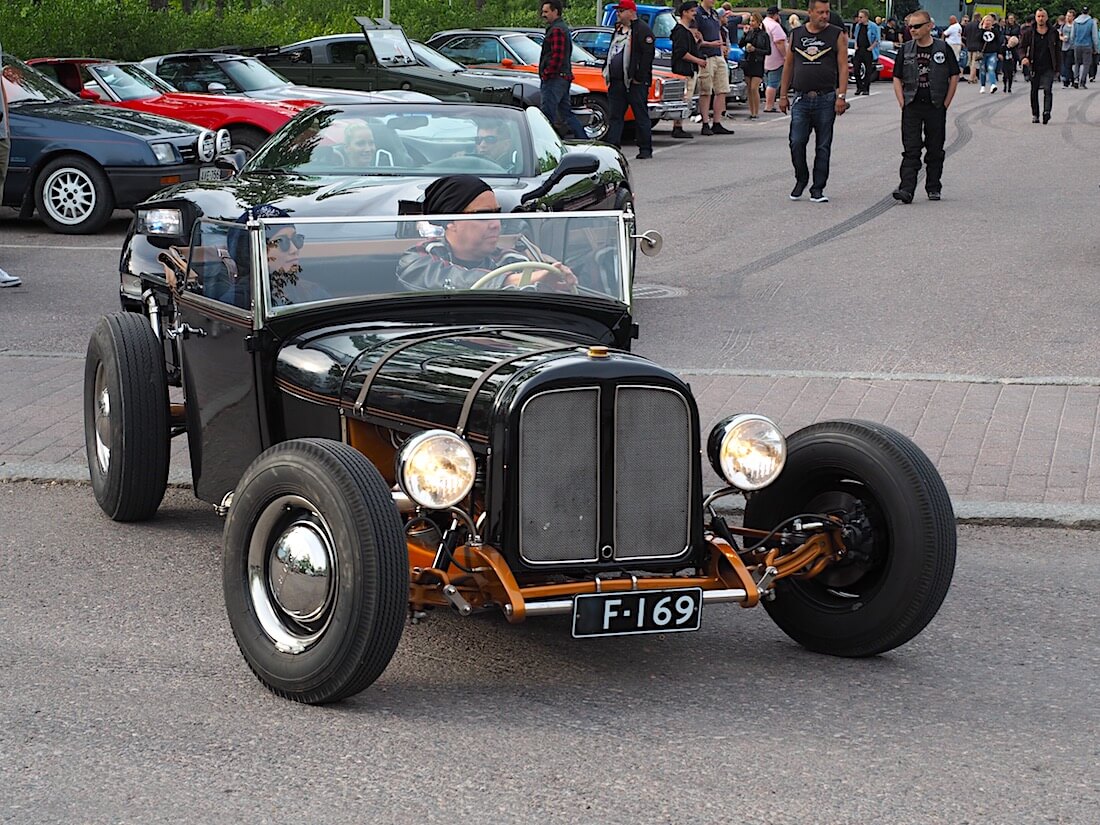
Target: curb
988, 513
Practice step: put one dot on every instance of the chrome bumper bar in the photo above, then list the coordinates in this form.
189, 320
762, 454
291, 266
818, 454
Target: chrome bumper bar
557, 607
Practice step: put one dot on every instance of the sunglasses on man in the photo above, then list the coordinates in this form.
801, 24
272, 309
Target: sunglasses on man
284, 241
487, 139
914, 26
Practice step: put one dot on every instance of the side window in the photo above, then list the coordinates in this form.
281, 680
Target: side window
303, 54
190, 74
474, 50
344, 51
545, 141
596, 42
219, 264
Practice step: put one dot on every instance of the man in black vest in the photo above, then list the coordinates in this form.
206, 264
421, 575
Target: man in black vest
926, 75
556, 70
629, 73
816, 73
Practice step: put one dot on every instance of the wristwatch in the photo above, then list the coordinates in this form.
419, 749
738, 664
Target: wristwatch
841, 97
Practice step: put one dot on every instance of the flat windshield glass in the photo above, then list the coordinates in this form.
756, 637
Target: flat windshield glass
251, 75
129, 82
527, 49
24, 84
402, 139
430, 57
663, 24
580, 53
554, 257
391, 47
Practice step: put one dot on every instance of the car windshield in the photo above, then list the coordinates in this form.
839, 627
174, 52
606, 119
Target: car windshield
402, 139
555, 256
430, 57
663, 24
391, 47
251, 75
129, 82
528, 51
580, 53
24, 84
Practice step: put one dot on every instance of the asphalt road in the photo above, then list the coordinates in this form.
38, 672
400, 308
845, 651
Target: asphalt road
124, 699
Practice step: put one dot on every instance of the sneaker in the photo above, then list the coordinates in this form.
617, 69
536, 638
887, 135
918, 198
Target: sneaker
8, 280
818, 197
933, 196
679, 134
1034, 118
993, 89
643, 155
1046, 118
706, 130
719, 129
903, 195
1075, 84
796, 193
981, 91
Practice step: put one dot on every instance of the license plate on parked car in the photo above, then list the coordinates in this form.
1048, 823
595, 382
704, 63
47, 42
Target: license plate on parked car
210, 173
632, 612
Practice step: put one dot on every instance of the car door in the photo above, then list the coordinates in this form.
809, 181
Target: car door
335, 65
215, 333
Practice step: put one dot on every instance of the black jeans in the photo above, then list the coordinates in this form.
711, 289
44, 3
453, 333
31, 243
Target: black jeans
1045, 81
863, 64
922, 125
618, 97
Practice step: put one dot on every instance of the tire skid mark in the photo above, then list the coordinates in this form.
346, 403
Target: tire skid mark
963, 135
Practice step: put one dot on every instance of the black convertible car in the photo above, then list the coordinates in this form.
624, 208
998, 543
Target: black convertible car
368, 159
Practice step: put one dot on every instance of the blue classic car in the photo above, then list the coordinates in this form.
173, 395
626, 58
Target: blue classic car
75, 162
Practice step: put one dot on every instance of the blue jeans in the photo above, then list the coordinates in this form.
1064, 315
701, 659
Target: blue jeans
817, 113
987, 71
555, 105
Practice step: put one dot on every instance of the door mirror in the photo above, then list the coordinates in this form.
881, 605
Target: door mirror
507, 63
88, 94
361, 62
217, 88
578, 164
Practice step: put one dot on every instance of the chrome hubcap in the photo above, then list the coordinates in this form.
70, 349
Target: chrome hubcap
102, 420
596, 127
292, 574
70, 196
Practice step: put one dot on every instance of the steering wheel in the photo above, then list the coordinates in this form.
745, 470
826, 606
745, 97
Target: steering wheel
472, 163
528, 268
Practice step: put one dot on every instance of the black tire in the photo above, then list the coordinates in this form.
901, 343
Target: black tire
126, 433
73, 196
246, 138
601, 114
304, 644
891, 587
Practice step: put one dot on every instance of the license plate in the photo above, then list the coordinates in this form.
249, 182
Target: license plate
632, 612
210, 173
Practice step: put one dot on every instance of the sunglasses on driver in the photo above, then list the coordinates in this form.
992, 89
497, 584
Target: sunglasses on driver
284, 241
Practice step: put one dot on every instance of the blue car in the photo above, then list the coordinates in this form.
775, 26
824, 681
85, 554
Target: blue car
75, 162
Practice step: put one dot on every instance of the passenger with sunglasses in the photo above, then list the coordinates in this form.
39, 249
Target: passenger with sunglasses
468, 249
283, 248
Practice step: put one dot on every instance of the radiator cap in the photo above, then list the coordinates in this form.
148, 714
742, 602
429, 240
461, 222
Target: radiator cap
598, 352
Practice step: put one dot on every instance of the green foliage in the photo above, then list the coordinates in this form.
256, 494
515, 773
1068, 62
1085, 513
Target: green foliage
132, 29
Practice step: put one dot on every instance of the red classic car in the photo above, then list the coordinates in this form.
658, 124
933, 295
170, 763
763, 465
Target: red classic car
129, 86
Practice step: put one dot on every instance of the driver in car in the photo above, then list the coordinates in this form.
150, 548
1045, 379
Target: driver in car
468, 249
492, 143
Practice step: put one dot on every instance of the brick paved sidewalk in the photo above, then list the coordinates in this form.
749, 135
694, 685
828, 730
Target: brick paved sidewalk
1011, 450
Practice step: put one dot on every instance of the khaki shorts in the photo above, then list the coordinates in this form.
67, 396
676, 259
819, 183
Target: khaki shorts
714, 78
689, 86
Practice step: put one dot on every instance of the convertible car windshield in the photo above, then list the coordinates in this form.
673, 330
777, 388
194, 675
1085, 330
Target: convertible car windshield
128, 81
23, 84
438, 139
315, 260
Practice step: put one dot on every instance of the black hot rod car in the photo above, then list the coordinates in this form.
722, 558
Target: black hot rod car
381, 450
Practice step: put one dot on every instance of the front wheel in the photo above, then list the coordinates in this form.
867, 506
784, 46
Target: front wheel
247, 139
598, 126
315, 570
895, 576
73, 196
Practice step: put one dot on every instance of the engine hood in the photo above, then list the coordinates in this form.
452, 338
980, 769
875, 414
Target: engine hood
120, 123
415, 378
317, 94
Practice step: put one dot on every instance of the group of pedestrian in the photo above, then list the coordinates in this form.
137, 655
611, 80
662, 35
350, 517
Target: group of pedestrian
1080, 48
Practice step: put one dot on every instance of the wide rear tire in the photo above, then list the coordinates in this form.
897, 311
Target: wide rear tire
895, 580
315, 570
126, 433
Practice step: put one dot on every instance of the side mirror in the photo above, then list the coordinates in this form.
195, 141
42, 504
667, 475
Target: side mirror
217, 88
231, 162
361, 62
88, 94
507, 63
575, 164
650, 242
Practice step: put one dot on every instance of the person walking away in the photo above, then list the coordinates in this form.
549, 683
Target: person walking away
1009, 57
993, 42
1041, 54
556, 70
926, 77
629, 73
866, 36
972, 36
1085, 45
6, 280
757, 45
815, 71
686, 58
1065, 34
714, 78
773, 63
953, 36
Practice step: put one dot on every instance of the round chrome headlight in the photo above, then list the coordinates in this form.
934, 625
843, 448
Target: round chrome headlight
436, 469
224, 141
748, 451
207, 145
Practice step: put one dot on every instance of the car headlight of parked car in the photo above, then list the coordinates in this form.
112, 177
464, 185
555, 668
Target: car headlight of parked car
436, 469
159, 222
224, 141
166, 153
748, 451
658, 88
207, 146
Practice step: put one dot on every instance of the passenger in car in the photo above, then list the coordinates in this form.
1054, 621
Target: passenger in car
284, 268
468, 251
358, 148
